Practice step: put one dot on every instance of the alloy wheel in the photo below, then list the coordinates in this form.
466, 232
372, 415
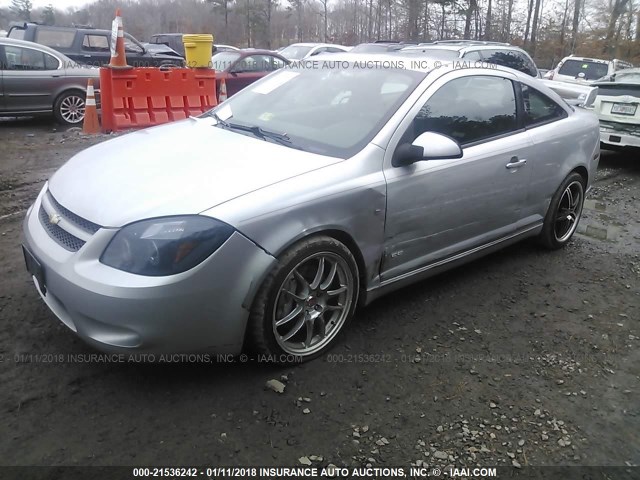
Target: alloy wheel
313, 303
569, 211
72, 109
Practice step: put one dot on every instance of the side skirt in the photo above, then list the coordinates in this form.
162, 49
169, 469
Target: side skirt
448, 263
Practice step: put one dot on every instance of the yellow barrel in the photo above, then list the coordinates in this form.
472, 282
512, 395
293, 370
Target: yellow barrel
198, 50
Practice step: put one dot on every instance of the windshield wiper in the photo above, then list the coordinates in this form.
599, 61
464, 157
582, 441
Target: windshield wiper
259, 132
219, 120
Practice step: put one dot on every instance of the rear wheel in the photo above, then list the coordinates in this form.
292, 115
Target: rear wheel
69, 107
305, 301
564, 212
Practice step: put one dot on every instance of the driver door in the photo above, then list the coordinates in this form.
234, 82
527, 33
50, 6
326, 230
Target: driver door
438, 209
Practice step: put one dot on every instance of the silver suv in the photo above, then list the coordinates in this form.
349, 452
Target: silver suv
474, 51
584, 70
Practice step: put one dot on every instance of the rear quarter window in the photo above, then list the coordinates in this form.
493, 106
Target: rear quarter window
17, 33
512, 59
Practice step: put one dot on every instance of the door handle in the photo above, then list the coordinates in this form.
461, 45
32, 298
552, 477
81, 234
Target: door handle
515, 163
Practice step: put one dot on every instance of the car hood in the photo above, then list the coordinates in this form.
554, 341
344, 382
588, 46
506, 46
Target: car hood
160, 49
181, 168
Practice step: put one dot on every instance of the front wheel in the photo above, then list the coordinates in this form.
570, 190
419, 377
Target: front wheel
306, 300
564, 212
69, 108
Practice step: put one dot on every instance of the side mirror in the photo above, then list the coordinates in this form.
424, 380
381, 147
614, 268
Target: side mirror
428, 146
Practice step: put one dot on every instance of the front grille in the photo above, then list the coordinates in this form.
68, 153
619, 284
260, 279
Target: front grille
62, 237
79, 222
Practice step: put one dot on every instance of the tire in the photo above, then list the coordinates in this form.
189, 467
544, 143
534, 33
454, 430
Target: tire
314, 289
68, 108
564, 212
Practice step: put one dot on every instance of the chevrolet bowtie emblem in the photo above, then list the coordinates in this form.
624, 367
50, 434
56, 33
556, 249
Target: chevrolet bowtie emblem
54, 218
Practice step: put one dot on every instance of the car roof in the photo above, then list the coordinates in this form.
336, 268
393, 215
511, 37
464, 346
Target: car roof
260, 51
585, 59
425, 64
310, 44
26, 43
465, 46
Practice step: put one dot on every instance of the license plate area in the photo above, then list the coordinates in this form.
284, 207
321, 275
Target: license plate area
34, 267
624, 108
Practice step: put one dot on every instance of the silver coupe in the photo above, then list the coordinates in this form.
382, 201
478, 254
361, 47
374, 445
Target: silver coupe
264, 223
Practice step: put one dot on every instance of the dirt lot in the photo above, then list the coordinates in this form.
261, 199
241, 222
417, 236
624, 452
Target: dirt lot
524, 357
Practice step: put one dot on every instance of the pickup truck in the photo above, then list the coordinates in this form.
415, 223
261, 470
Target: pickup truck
90, 46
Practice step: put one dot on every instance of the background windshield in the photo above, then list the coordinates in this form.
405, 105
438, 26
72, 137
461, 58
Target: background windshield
333, 112
223, 60
295, 52
591, 70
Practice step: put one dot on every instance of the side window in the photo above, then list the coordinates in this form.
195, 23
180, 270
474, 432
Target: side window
538, 108
19, 58
95, 43
319, 51
512, 59
55, 38
469, 109
277, 63
472, 56
253, 63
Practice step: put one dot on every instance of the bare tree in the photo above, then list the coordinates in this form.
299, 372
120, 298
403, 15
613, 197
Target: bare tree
22, 8
49, 15
487, 28
618, 8
534, 28
473, 6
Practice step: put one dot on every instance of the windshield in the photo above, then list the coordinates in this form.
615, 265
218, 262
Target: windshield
223, 60
591, 70
333, 112
295, 52
371, 48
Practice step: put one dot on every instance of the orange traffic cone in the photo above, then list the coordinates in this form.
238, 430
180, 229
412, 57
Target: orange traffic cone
91, 125
222, 96
118, 56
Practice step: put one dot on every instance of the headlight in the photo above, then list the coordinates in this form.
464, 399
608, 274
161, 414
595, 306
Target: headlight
165, 246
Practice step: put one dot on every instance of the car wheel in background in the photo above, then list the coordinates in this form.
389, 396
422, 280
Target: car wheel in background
564, 212
305, 301
69, 107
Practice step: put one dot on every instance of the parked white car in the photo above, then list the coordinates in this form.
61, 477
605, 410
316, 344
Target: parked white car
300, 51
617, 108
584, 70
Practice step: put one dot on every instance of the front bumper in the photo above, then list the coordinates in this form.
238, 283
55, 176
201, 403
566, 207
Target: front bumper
203, 309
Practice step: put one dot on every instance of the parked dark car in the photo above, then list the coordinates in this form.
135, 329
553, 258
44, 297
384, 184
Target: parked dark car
244, 67
174, 41
90, 46
38, 80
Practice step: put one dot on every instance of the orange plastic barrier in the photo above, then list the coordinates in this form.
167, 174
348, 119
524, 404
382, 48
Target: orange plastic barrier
143, 97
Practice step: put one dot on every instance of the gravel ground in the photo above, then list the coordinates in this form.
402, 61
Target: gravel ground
525, 357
